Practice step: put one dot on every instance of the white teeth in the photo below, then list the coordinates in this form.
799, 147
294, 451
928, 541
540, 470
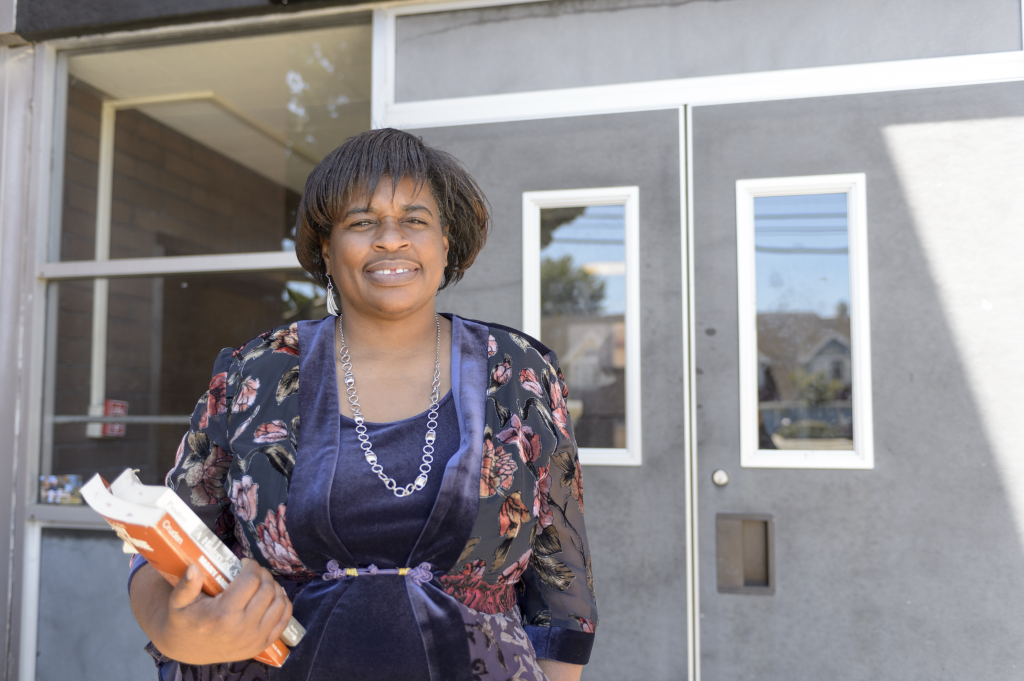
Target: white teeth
392, 271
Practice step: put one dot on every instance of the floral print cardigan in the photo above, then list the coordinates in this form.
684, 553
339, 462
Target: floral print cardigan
506, 530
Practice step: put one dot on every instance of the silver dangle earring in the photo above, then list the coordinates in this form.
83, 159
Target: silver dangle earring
332, 307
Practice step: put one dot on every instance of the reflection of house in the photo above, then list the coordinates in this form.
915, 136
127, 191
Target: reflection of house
830, 358
789, 343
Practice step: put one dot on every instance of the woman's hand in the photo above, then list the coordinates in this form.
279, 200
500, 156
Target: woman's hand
189, 626
560, 671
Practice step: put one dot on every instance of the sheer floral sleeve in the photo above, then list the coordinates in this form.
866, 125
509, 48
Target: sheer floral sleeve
557, 597
204, 456
199, 475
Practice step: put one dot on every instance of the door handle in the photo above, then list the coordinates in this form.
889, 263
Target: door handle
745, 553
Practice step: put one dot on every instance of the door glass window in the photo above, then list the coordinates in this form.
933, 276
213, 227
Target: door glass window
581, 294
805, 360
805, 381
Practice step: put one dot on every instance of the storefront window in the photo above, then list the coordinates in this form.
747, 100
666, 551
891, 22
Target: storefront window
198, 149
211, 142
163, 334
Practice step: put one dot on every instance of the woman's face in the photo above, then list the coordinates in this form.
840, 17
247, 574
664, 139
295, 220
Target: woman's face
387, 252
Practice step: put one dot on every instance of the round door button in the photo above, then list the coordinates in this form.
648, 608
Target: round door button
720, 478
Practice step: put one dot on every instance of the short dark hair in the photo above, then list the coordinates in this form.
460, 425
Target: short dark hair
360, 163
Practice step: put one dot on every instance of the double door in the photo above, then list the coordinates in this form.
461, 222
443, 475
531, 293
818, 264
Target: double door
846, 450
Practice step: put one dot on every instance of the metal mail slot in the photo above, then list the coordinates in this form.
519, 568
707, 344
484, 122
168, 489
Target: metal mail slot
745, 550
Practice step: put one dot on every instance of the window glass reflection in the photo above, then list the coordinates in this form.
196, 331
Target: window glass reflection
805, 379
583, 305
218, 163
160, 350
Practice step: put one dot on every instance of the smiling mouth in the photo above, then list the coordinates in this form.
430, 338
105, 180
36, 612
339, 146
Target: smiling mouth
400, 270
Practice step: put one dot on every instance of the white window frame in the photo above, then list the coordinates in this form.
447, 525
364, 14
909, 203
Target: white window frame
854, 186
629, 197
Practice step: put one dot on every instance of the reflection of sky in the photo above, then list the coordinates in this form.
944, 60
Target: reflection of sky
306, 288
801, 253
596, 236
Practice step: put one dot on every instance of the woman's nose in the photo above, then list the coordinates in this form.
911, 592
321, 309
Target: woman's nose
390, 235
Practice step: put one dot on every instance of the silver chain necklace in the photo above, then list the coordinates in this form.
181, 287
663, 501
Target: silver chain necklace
364, 439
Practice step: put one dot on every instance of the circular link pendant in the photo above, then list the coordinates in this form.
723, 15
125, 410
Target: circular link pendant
364, 439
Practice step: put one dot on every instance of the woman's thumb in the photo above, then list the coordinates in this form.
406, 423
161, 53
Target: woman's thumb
188, 588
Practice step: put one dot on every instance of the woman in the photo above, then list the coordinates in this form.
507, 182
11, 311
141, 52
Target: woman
442, 544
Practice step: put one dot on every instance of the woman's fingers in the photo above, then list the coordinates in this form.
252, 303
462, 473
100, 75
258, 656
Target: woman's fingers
188, 589
262, 599
286, 616
272, 615
239, 623
245, 585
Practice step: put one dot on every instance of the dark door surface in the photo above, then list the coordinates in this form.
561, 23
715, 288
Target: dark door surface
634, 515
911, 570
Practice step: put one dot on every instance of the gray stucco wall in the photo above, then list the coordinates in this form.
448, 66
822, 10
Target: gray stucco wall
634, 515
571, 43
86, 628
911, 570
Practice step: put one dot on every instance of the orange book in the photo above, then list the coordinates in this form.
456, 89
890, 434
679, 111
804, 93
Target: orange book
159, 525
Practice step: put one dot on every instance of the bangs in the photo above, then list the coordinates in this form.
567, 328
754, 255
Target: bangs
357, 166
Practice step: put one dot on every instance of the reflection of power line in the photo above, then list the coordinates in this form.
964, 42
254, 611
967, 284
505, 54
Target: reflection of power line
592, 216
799, 250
797, 216
771, 233
796, 229
602, 227
602, 242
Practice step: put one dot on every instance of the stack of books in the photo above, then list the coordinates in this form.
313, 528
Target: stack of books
155, 522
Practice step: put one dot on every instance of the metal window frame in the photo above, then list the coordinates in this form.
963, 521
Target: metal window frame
30, 83
533, 203
854, 185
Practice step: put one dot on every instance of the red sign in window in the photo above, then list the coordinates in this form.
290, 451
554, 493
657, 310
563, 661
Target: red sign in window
114, 408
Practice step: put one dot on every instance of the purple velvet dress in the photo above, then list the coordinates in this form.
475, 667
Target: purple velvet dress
499, 565
381, 529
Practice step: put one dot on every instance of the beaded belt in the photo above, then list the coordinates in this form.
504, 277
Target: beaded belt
421, 574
